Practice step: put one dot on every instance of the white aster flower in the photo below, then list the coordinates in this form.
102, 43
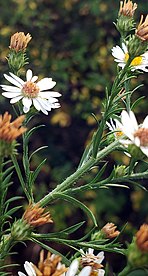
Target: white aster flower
90, 259
73, 269
29, 269
31, 92
136, 134
121, 57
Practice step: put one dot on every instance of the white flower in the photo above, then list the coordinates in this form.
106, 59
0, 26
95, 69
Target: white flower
114, 126
121, 57
73, 269
29, 269
90, 259
136, 134
31, 92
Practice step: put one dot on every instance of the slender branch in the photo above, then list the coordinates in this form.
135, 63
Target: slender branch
79, 172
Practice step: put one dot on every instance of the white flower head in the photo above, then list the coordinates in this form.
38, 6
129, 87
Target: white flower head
73, 269
136, 134
29, 269
31, 92
121, 56
92, 260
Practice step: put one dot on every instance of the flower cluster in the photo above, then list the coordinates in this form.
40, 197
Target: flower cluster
52, 266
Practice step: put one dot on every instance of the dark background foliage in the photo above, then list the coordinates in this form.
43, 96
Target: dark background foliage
71, 42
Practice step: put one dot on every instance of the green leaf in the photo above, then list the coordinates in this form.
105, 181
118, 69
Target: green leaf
37, 150
13, 210
34, 174
31, 131
50, 249
13, 199
138, 272
137, 102
78, 204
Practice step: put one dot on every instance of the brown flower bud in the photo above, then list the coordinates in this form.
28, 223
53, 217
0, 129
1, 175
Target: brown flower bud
142, 29
9, 131
127, 8
19, 41
36, 215
110, 230
142, 238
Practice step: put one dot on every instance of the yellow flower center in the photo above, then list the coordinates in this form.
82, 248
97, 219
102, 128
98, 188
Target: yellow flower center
30, 89
119, 133
142, 134
136, 61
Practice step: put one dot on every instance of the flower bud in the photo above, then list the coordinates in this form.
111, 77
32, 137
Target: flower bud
120, 171
20, 230
107, 232
138, 249
125, 21
17, 57
9, 131
36, 215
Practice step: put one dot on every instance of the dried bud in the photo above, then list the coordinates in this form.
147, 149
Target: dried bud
142, 29
9, 131
137, 253
142, 238
36, 215
51, 265
125, 22
110, 231
127, 9
19, 41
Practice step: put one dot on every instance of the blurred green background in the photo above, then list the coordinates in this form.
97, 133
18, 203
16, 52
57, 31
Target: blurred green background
71, 42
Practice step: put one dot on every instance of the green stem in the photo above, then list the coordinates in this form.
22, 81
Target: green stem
131, 165
78, 173
125, 271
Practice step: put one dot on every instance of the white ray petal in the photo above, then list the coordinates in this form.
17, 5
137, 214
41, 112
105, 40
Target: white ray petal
85, 271
17, 78
16, 99
128, 127
12, 80
144, 150
49, 94
73, 268
137, 141
46, 83
29, 269
101, 272
27, 102
101, 257
21, 274
34, 78
36, 104
145, 122
10, 88
29, 75
26, 109
10, 94
133, 120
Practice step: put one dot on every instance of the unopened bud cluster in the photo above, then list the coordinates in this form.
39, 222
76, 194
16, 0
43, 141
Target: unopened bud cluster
17, 56
137, 42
